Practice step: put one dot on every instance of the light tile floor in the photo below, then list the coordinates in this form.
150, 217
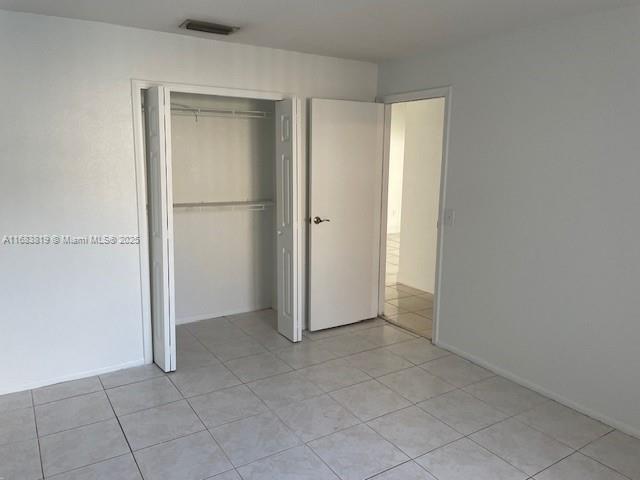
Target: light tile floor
405, 306
365, 401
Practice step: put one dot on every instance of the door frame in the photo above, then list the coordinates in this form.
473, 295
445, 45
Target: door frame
137, 87
389, 100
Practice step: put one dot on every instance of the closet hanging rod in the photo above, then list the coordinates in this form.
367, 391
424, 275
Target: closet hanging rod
179, 108
246, 204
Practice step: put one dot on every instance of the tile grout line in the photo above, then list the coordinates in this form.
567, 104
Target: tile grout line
313, 452
598, 461
508, 462
137, 381
513, 417
46, 435
341, 356
240, 357
122, 430
77, 427
587, 456
96, 463
35, 422
70, 396
335, 333
164, 442
233, 467
169, 376
75, 469
412, 460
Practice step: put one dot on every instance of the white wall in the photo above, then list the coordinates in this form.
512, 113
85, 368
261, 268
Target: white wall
224, 257
67, 167
221, 159
424, 127
542, 268
396, 162
224, 262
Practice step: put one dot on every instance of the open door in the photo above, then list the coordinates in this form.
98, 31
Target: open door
346, 153
288, 219
160, 192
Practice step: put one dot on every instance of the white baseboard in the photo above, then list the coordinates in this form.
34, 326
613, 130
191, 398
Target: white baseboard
196, 318
226, 313
74, 376
542, 391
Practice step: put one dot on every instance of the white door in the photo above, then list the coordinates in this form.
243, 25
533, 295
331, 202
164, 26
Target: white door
288, 220
346, 153
157, 118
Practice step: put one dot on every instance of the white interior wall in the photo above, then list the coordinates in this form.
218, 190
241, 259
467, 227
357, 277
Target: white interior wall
224, 262
218, 158
396, 161
67, 167
424, 127
224, 258
542, 267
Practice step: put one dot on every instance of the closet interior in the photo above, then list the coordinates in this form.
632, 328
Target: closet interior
224, 198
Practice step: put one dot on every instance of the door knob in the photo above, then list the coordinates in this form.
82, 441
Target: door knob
318, 220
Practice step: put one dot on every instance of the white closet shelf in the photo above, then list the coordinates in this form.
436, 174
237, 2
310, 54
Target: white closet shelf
254, 205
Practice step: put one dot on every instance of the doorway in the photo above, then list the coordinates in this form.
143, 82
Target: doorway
222, 210
414, 173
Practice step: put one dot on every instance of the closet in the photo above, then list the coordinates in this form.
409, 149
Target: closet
223, 209
224, 199
232, 207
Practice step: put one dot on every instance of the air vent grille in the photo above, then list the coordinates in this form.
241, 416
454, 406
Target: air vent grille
208, 27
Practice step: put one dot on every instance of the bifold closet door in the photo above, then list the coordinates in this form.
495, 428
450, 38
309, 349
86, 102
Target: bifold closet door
346, 153
288, 220
160, 192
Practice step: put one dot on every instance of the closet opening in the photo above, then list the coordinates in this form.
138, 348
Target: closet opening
223, 172
223, 221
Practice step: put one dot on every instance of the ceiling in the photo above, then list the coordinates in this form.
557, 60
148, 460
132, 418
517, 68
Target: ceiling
373, 30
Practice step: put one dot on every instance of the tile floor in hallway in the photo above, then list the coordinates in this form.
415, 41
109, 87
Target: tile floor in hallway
357, 402
405, 306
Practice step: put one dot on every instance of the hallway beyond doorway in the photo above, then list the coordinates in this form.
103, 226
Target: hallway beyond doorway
405, 306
